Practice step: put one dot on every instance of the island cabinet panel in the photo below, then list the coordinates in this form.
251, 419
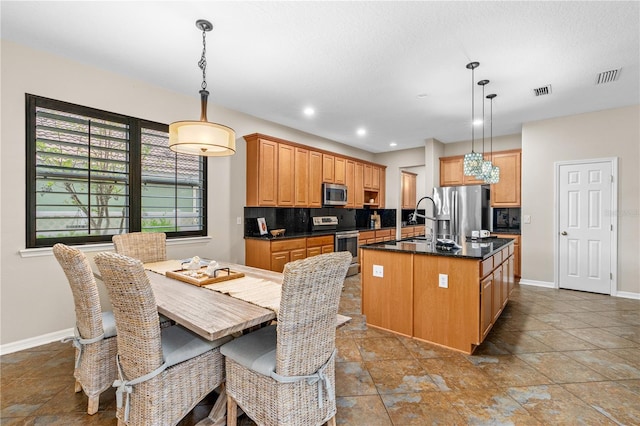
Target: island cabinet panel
446, 316
486, 299
388, 300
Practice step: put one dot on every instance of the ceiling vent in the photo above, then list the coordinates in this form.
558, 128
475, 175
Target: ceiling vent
544, 90
608, 76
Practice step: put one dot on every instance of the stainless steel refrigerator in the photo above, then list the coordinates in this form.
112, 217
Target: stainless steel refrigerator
460, 210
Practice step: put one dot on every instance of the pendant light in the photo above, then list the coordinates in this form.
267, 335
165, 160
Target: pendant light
202, 137
494, 176
472, 164
485, 168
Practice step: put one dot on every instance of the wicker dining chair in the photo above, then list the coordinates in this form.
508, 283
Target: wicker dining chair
162, 373
94, 339
284, 374
144, 246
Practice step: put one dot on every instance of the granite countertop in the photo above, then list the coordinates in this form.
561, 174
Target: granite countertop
469, 250
512, 231
292, 235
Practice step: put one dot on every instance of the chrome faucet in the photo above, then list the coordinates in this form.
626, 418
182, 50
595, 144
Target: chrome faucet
416, 214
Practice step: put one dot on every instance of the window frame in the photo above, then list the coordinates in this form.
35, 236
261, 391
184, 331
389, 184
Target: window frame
135, 172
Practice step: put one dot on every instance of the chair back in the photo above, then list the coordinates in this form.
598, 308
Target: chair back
83, 285
135, 312
306, 327
144, 246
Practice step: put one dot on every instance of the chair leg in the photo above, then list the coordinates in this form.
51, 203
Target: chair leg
331, 421
232, 411
78, 387
94, 403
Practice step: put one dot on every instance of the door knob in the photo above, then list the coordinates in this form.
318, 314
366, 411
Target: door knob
563, 233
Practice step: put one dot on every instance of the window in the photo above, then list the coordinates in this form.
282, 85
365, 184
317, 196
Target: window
92, 174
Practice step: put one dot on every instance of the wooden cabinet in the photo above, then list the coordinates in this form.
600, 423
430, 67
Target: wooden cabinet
262, 172
286, 174
408, 190
301, 177
339, 169
486, 299
319, 245
452, 172
328, 168
315, 179
412, 231
506, 193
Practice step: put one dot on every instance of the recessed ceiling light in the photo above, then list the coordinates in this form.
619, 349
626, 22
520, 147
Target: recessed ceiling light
477, 122
361, 131
393, 144
309, 112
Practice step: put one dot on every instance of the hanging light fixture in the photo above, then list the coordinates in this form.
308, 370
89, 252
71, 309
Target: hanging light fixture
472, 164
485, 168
202, 137
494, 176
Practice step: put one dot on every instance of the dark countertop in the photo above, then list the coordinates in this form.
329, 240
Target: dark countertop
512, 231
309, 234
469, 250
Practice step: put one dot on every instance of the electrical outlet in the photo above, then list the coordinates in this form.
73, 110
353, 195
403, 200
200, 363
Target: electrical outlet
239, 220
443, 280
378, 271
526, 218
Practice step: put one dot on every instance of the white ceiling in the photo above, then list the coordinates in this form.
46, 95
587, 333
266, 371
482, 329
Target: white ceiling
359, 64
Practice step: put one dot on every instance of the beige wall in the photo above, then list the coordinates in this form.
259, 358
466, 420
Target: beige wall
500, 143
610, 133
34, 295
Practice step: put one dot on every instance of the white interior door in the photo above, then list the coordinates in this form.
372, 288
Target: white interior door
585, 226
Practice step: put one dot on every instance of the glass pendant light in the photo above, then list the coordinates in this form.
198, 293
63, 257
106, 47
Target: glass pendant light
485, 168
472, 164
494, 176
202, 137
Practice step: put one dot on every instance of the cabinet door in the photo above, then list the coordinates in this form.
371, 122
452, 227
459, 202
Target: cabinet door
268, 173
339, 169
327, 249
328, 168
486, 298
375, 177
496, 305
350, 180
382, 184
506, 193
451, 171
359, 186
408, 190
368, 176
278, 260
315, 179
301, 177
286, 175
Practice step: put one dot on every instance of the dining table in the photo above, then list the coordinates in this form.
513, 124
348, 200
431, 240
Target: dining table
213, 314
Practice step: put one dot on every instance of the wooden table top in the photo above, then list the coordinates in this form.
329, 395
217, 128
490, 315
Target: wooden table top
209, 313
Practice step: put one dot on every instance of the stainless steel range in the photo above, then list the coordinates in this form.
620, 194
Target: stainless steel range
344, 240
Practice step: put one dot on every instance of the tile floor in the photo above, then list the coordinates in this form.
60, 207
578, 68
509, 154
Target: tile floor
554, 357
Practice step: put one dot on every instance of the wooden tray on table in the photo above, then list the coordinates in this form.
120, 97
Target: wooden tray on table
199, 278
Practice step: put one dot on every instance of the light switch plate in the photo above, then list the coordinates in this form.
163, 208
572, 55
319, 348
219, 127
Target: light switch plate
238, 220
443, 280
378, 271
526, 218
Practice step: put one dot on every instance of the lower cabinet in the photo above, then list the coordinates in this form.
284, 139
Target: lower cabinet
273, 255
496, 284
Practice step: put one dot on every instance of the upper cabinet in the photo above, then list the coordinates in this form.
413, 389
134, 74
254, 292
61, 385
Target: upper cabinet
287, 174
505, 193
408, 190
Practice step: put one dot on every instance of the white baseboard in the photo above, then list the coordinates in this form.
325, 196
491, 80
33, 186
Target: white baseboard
534, 283
32, 342
628, 295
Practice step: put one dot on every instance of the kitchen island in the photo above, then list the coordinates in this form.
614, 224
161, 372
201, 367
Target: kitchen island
450, 298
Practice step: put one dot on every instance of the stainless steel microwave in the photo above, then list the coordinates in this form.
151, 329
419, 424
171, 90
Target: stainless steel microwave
334, 195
